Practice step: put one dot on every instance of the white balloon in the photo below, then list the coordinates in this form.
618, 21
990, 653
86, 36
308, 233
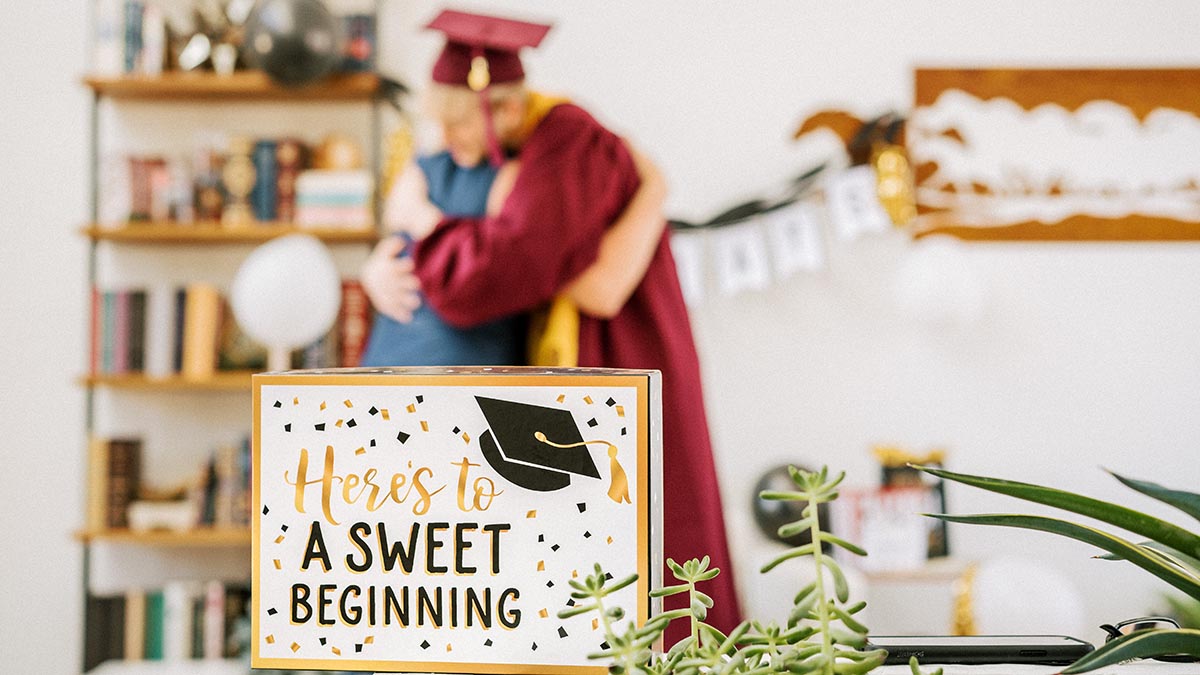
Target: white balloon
287, 292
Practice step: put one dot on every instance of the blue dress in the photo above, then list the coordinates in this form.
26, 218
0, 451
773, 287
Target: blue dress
427, 340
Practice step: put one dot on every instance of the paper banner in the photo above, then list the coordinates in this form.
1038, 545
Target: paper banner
741, 257
795, 236
688, 251
853, 204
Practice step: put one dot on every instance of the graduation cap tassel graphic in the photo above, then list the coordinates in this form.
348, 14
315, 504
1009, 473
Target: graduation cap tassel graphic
618, 485
517, 445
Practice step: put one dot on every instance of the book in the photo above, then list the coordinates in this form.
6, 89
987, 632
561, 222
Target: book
264, 193
134, 12
96, 326
123, 477
103, 638
213, 635
179, 314
236, 349
154, 625
108, 333
135, 340
135, 624
120, 346
289, 156
177, 616
96, 518
201, 323
159, 329
354, 323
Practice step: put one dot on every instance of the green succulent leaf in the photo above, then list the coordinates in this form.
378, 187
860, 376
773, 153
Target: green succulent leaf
575, 611
1127, 519
1139, 645
1113, 544
838, 541
797, 552
1188, 502
915, 667
795, 528
669, 590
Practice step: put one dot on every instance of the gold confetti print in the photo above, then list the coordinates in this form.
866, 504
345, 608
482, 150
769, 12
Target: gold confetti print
424, 425
384, 412
412, 407
270, 639
561, 398
295, 647
279, 539
360, 451
620, 411
278, 565
370, 640
347, 403
541, 565
322, 405
466, 437
336, 651
543, 613
587, 400
531, 514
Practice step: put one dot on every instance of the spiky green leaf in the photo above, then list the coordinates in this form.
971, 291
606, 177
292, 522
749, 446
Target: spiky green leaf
1124, 549
838, 541
1144, 524
1188, 502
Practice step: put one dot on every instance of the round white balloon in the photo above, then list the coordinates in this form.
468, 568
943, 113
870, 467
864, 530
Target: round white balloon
287, 292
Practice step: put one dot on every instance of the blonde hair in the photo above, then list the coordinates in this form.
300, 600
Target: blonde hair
451, 102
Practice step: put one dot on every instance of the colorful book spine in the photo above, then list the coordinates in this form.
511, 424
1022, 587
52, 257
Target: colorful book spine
134, 17
136, 338
289, 155
354, 323
154, 625
120, 348
97, 331
201, 324
359, 54
124, 474
109, 332
97, 489
266, 180
135, 624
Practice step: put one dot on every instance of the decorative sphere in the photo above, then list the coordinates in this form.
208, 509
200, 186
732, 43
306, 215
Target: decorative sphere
771, 514
295, 41
287, 292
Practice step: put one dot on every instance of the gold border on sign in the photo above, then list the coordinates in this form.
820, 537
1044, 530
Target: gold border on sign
638, 380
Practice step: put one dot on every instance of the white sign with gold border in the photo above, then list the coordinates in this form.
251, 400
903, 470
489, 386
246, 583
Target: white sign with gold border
429, 520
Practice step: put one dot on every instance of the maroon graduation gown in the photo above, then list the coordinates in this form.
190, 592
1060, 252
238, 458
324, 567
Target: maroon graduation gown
576, 177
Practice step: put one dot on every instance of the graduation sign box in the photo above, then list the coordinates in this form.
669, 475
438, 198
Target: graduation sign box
429, 520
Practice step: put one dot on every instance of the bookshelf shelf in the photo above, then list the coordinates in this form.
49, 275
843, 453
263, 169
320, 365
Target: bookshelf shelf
205, 536
215, 233
247, 85
237, 380
183, 667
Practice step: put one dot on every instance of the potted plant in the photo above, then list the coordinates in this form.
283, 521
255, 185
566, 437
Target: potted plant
1170, 552
821, 635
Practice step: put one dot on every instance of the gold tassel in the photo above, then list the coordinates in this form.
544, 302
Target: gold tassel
554, 335
618, 485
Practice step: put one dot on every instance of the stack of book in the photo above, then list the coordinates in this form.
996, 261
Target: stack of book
114, 473
182, 620
334, 198
191, 331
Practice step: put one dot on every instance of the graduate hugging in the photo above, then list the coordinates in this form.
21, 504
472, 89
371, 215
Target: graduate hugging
536, 220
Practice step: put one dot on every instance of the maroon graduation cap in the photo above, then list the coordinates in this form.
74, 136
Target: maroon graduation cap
481, 51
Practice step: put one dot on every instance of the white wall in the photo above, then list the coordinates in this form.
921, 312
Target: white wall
1087, 355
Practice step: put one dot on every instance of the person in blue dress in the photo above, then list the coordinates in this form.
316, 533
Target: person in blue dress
426, 340
451, 183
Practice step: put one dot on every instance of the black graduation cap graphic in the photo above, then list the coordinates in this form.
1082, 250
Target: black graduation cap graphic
524, 444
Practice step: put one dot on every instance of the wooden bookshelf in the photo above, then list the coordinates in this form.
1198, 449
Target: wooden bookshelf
236, 380
247, 85
201, 536
215, 233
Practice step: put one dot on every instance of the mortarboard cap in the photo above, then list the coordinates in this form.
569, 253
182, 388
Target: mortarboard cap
482, 50
520, 445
